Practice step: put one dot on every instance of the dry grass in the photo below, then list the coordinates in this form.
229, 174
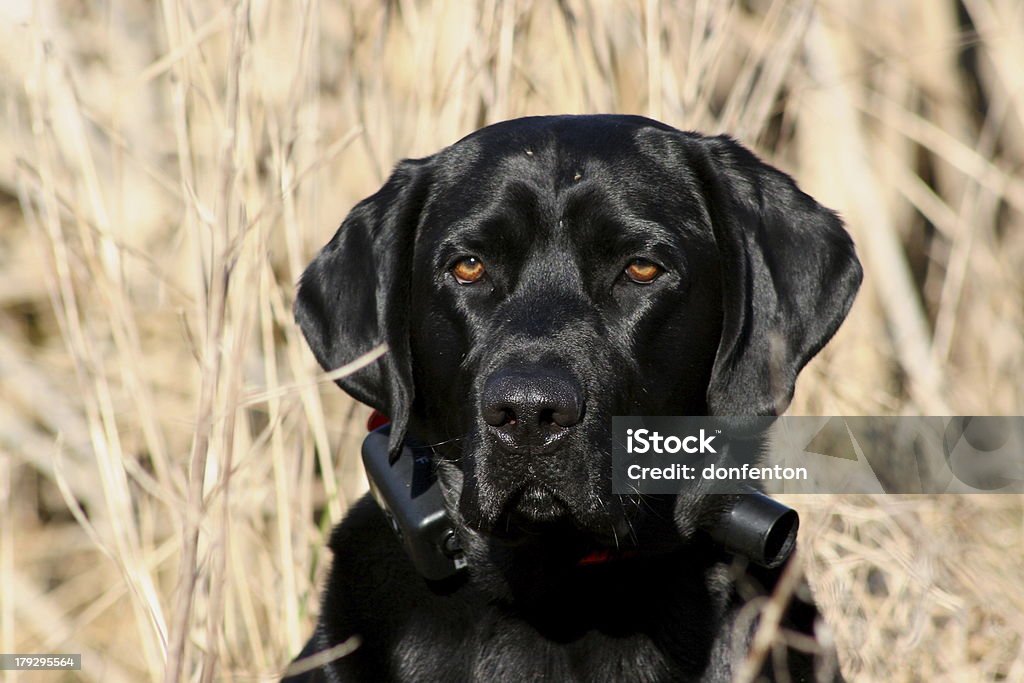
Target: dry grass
170, 459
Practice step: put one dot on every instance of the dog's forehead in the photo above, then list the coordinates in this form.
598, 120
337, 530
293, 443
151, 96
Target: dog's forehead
546, 144
628, 164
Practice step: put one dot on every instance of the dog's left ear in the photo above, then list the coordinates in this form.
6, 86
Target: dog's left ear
789, 277
355, 295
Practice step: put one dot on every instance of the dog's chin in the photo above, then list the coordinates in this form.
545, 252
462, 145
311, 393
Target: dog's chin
535, 515
536, 504
531, 512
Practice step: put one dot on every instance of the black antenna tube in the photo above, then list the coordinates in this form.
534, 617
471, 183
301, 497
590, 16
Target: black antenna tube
759, 528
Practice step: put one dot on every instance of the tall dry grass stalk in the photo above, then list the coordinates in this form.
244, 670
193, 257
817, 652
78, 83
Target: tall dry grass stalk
171, 460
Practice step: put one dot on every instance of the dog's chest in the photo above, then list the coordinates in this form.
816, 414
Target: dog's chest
498, 647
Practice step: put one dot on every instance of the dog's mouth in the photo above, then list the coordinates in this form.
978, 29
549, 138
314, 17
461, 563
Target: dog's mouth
535, 513
532, 510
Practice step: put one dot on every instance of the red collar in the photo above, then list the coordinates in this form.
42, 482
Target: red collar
376, 420
604, 556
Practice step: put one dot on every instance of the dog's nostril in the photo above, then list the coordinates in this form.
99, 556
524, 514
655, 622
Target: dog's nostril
567, 418
498, 415
562, 416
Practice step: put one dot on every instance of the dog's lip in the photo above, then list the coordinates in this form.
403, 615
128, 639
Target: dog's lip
531, 510
537, 503
535, 512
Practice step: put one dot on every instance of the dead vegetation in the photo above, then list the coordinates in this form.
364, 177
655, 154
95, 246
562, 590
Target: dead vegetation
171, 459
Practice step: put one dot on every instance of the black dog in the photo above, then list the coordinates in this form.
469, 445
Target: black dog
531, 281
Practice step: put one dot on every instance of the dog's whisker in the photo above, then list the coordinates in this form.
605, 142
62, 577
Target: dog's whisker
632, 530
455, 439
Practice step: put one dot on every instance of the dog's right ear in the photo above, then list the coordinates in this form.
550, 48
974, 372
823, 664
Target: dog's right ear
354, 296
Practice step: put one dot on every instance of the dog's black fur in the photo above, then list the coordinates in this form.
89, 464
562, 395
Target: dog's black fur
755, 278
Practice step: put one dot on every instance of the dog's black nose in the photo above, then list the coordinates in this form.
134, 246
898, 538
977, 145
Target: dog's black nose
531, 408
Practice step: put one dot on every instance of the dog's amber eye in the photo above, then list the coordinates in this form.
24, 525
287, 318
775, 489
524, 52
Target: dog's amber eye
642, 271
468, 270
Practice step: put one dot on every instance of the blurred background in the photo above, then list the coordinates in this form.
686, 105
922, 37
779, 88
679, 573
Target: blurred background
171, 460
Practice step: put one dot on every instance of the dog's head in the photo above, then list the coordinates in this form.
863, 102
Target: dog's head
544, 274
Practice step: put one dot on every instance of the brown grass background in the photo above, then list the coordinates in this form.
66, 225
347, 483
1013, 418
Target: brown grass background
171, 459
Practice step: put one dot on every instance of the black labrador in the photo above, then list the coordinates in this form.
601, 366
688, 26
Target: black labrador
531, 281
